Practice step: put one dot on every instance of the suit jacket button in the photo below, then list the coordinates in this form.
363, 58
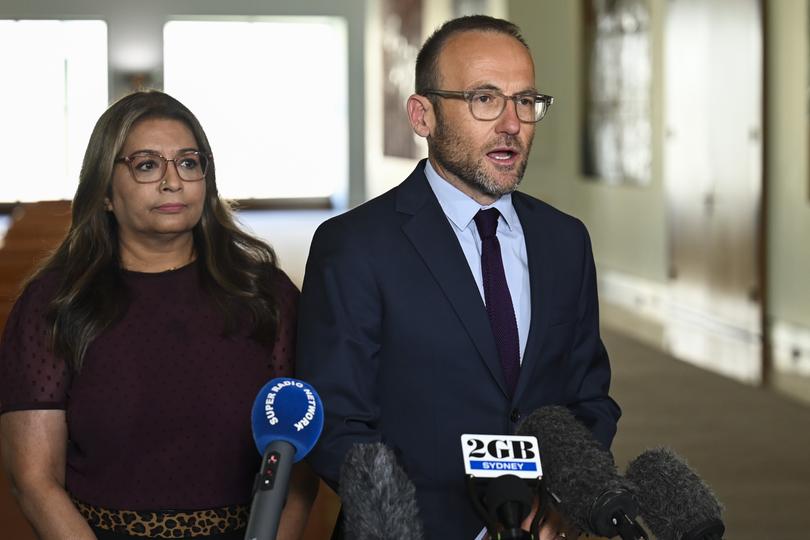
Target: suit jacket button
515, 416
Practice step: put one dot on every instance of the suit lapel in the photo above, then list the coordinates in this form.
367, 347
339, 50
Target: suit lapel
540, 263
433, 237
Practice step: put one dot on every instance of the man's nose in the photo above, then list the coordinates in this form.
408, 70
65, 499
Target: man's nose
508, 121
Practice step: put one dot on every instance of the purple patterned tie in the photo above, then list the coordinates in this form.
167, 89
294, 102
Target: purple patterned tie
496, 294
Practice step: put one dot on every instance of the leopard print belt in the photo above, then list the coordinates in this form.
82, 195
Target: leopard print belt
166, 524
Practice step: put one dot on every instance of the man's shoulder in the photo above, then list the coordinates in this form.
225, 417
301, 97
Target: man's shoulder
376, 212
533, 209
368, 228
380, 214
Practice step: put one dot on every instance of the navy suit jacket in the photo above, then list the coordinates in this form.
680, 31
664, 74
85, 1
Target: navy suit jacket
394, 336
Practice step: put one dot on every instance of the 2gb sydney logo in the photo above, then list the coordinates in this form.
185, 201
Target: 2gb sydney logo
489, 456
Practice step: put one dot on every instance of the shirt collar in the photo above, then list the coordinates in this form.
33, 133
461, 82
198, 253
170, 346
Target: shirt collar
459, 207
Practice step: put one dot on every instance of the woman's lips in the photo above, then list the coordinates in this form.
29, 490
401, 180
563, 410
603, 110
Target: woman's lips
171, 208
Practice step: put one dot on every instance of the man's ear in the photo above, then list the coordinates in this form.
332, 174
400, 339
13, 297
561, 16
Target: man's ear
421, 115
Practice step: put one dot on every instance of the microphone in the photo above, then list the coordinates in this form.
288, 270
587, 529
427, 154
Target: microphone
287, 420
379, 501
503, 474
510, 500
582, 476
675, 502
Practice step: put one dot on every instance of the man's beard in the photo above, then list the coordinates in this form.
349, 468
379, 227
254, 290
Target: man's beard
457, 156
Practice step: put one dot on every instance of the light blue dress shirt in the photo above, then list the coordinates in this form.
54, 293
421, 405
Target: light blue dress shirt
460, 210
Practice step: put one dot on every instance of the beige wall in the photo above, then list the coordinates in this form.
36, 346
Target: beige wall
627, 223
787, 171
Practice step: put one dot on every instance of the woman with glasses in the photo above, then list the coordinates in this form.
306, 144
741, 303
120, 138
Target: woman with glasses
130, 362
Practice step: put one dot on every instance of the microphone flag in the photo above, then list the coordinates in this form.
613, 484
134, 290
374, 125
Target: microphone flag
287, 419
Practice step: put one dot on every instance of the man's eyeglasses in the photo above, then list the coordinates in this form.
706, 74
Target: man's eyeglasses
488, 105
150, 167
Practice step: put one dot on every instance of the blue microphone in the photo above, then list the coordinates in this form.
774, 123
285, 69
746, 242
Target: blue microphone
287, 421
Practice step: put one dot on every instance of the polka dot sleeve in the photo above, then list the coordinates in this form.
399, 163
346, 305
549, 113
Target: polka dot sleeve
31, 377
283, 361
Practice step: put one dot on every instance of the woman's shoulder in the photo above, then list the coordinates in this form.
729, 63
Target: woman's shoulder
31, 376
39, 289
31, 305
284, 290
282, 282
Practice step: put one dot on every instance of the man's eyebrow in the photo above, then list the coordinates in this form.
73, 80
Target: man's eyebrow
485, 87
529, 90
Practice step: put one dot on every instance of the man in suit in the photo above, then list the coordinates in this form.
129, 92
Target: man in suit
425, 314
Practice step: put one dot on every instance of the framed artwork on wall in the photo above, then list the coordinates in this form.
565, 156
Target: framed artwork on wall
616, 91
401, 38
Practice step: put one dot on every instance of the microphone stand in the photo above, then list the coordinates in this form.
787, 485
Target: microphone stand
613, 513
628, 529
270, 491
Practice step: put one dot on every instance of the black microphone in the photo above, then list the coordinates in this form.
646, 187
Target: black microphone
675, 502
287, 419
582, 476
509, 499
379, 501
504, 473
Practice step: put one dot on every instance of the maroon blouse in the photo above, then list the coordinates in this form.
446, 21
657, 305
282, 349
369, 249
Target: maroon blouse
159, 416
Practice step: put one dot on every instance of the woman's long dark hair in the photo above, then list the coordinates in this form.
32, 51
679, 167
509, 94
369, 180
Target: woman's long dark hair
237, 270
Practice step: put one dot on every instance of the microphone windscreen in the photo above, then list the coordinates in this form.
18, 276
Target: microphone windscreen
288, 410
576, 467
509, 498
379, 501
672, 497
